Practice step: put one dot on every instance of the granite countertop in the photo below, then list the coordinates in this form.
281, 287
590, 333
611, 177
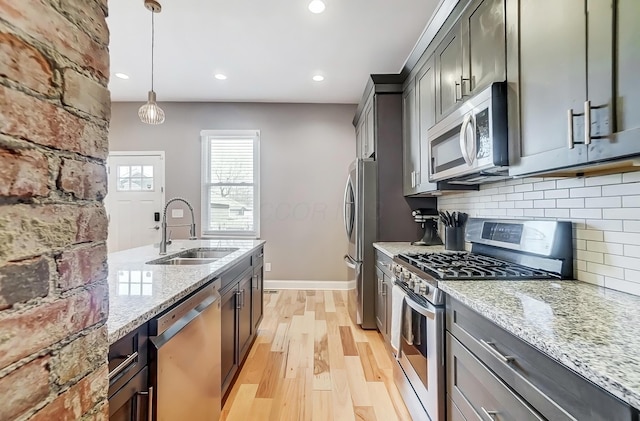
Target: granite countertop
393, 249
138, 291
589, 329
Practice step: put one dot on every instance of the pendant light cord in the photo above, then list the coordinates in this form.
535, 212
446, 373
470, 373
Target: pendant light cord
152, 45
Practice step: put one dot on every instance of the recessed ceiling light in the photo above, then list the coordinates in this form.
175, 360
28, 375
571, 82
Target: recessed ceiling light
316, 6
121, 76
318, 78
220, 76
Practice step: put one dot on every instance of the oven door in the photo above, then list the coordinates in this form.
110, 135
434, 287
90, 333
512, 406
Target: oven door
422, 354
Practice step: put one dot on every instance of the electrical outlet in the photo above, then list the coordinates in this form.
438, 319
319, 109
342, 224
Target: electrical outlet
267, 267
177, 213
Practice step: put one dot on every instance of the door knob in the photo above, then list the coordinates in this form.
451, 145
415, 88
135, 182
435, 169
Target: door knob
155, 228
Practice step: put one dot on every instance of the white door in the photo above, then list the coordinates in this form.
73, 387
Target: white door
135, 199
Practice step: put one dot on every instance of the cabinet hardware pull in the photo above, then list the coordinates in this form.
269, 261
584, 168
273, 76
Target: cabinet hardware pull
490, 414
490, 346
238, 304
455, 91
149, 396
587, 122
384, 289
570, 128
120, 368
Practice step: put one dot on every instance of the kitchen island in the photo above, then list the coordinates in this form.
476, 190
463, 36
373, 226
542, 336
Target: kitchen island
586, 328
138, 291
180, 326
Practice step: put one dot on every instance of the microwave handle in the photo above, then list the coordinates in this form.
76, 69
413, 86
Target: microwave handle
463, 139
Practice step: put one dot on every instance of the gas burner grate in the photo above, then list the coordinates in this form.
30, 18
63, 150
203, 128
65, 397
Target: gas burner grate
469, 266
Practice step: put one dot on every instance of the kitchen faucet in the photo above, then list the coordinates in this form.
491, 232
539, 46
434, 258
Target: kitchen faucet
192, 230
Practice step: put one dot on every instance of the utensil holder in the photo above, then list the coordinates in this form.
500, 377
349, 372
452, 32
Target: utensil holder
454, 238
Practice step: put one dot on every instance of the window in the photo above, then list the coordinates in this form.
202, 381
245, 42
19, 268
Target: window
230, 183
135, 178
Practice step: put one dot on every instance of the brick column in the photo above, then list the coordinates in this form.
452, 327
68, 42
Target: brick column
54, 117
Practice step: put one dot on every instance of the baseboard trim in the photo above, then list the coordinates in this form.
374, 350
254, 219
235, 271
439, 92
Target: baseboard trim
309, 285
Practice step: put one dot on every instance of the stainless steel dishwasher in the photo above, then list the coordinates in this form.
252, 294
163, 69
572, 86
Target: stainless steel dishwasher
186, 359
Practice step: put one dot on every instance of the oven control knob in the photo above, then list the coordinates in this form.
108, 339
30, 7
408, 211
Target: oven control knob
424, 289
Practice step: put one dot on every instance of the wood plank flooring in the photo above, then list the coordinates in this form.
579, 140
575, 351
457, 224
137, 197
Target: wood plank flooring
309, 362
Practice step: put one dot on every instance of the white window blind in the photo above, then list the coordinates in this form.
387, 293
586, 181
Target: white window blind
230, 183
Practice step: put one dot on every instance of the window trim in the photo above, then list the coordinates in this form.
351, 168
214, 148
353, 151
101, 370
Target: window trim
205, 182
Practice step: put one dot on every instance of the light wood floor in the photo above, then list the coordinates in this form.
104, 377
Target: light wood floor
309, 362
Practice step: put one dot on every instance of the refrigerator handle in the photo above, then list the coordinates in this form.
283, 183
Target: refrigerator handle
348, 260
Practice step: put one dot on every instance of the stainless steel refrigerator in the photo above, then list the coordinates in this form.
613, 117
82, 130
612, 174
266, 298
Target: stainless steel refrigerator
374, 210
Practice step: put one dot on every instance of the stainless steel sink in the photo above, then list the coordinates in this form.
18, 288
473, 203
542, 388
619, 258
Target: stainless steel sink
198, 256
186, 261
207, 253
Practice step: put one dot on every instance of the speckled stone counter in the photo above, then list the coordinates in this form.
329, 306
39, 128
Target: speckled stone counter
138, 291
592, 330
393, 249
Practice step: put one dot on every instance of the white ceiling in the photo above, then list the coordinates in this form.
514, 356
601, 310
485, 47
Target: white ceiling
269, 49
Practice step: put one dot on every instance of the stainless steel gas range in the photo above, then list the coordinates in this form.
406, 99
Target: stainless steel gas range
500, 250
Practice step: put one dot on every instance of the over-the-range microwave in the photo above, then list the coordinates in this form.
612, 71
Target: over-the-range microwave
470, 145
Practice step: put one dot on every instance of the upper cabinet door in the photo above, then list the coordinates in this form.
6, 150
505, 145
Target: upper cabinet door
483, 31
449, 77
551, 78
410, 140
426, 86
614, 87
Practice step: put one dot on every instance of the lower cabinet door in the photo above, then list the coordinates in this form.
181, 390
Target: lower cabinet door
257, 300
132, 402
477, 392
453, 413
245, 327
228, 361
381, 303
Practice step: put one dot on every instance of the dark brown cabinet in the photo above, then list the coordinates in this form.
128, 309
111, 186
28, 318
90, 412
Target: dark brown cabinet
483, 45
229, 362
133, 400
584, 109
381, 303
449, 78
245, 325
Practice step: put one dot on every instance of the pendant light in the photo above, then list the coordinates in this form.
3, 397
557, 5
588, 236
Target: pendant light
150, 112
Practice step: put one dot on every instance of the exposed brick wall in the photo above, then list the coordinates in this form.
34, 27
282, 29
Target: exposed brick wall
54, 115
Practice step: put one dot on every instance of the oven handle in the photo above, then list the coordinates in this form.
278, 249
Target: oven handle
463, 139
425, 311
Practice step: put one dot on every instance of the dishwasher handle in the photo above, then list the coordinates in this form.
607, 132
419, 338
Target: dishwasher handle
184, 314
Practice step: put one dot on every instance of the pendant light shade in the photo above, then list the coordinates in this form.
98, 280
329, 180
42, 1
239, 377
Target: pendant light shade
151, 113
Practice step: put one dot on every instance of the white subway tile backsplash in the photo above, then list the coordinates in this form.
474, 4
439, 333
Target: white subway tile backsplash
549, 203
622, 285
523, 188
586, 213
545, 185
603, 180
586, 192
631, 177
534, 213
505, 189
524, 204
604, 224
605, 270
621, 237
630, 202
570, 183
621, 213
533, 195
621, 189
604, 210
632, 226
607, 248
603, 202
556, 194
570, 203
557, 213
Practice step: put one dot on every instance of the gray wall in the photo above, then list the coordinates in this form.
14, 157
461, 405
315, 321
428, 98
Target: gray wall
305, 150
